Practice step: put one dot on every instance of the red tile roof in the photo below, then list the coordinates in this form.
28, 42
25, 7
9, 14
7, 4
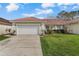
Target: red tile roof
28, 19
56, 22
48, 21
72, 21
5, 22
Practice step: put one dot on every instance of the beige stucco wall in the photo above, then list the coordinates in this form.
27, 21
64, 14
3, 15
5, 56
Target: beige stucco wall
73, 28
3, 29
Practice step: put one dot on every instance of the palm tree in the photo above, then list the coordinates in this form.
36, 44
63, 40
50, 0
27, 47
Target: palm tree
60, 15
68, 15
77, 13
64, 15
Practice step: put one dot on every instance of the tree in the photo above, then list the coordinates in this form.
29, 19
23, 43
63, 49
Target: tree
60, 15
64, 15
68, 15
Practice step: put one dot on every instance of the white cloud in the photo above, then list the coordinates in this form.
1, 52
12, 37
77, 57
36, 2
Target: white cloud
32, 15
59, 4
44, 11
71, 6
40, 17
64, 4
77, 4
12, 7
46, 5
28, 15
75, 7
64, 7
39, 12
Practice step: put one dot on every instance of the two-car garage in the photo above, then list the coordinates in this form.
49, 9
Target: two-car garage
27, 29
29, 25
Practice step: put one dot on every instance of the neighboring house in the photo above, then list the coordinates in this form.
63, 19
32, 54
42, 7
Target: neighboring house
72, 27
4, 26
55, 24
33, 25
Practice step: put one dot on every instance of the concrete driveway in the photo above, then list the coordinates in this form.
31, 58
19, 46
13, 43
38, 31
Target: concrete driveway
22, 45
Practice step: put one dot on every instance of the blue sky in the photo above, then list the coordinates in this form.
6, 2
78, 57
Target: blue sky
13, 11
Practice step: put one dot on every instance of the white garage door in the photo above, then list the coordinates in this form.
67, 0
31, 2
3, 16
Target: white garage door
27, 29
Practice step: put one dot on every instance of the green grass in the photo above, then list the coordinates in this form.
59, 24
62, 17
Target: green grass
60, 45
2, 37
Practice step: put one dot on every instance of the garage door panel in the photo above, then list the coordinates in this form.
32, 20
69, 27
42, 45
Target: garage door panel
27, 30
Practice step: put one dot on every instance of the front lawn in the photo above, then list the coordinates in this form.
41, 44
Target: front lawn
60, 45
2, 37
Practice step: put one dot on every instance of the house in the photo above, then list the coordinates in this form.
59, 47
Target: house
29, 25
4, 25
33, 25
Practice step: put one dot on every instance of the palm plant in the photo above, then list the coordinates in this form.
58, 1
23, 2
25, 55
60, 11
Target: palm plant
68, 15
